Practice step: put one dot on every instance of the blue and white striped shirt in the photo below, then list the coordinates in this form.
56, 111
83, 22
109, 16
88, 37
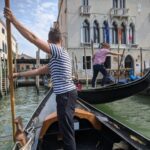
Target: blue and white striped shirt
60, 70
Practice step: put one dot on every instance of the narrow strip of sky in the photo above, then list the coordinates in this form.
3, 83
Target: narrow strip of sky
37, 15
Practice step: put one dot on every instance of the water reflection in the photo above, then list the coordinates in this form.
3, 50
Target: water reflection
26, 100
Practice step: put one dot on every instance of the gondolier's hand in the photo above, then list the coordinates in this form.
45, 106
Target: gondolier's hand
8, 14
15, 75
120, 54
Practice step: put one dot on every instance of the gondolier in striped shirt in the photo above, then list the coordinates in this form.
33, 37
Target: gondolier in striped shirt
59, 67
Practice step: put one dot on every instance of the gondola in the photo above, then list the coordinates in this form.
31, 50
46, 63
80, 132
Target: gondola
115, 92
94, 130
146, 92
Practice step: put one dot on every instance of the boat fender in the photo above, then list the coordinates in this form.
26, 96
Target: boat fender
136, 139
121, 145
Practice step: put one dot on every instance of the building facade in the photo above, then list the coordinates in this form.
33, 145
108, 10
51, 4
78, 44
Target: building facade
124, 24
4, 84
25, 66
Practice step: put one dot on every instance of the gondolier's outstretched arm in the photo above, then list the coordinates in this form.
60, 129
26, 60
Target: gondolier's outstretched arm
27, 33
34, 72
113, 53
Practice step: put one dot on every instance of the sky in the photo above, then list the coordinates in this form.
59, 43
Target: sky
37, 15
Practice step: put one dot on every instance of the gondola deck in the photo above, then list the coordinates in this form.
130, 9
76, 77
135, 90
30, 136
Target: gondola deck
93, 130
86, 126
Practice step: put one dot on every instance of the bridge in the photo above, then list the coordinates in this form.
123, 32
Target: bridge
28, 82
28, 61
31, 61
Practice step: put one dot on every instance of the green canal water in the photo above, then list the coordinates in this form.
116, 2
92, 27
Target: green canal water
133, 112
26, 101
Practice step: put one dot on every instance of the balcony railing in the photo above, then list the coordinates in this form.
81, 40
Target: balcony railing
87, 44
119, 12
85, 10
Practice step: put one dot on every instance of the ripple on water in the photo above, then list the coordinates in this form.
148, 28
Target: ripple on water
26, 101
133, 112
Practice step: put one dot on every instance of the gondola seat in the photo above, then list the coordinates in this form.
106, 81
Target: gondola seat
79, 113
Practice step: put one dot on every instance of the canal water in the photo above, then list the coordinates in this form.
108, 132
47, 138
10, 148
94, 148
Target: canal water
133, 112
27, 100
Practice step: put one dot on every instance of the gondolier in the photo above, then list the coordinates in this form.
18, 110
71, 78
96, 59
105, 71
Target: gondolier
98, 62
60, 69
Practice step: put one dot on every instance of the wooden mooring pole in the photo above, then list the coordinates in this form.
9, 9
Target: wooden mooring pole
141, 61
119, 42
37, 66
10, 62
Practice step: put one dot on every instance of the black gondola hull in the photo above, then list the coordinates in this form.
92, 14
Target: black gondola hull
116, 92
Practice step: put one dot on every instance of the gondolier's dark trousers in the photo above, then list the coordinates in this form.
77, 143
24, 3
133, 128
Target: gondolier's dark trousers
65, 112
96, 69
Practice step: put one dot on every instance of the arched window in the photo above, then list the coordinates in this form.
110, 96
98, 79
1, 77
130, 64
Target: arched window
115, 3
119, 3
86, 32
122, 3
105, 32
96, 32
85, 2
114, 33
131, 33
123, 33
3, 30
3, 46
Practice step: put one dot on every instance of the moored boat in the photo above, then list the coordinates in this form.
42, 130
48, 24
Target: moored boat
94, 130
115, 91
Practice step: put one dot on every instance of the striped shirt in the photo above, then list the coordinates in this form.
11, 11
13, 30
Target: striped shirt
60, 70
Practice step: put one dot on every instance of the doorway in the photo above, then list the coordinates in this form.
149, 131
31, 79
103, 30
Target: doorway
129, 62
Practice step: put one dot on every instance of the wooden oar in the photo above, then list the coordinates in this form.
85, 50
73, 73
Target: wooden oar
85, 62
92, 48
76, 62
119, 42
10, 62
141, 60
120, 64
73, 65
121, 58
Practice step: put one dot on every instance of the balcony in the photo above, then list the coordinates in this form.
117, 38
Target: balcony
119, 12
85, 44
85, 10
